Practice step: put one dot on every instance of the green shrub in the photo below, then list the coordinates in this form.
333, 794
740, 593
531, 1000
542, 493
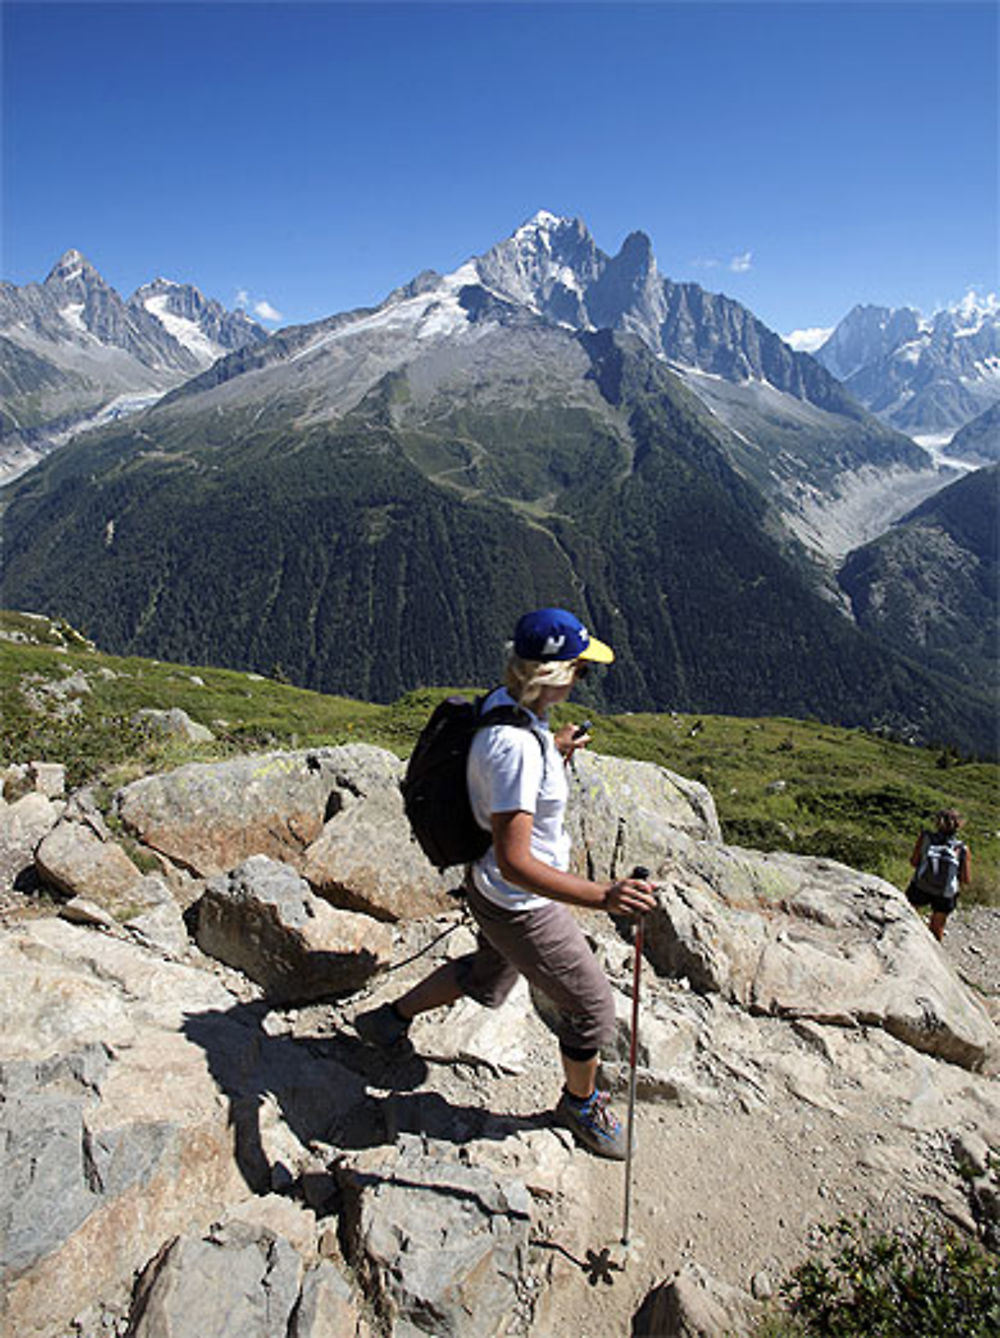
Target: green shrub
930, 1283
759, 833
85, 744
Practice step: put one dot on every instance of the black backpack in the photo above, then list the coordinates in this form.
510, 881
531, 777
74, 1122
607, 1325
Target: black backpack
435, 792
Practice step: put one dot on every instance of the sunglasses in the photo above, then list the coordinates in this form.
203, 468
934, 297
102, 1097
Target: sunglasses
581, 668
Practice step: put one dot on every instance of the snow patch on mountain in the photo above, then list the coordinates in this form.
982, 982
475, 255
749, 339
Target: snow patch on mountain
435, 312
72, 314
187, 333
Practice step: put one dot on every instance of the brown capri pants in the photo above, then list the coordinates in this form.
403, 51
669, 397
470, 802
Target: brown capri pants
547, 946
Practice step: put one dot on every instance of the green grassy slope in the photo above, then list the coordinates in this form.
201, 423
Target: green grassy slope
778, 783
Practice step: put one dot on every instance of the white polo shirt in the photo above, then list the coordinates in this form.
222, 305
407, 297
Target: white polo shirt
506, 774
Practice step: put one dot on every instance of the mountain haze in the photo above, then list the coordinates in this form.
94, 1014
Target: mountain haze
369, 501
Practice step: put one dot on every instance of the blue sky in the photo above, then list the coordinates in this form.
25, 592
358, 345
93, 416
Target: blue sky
799, 156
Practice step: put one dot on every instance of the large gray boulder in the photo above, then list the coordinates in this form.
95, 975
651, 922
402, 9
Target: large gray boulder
208, 817
810, 938
693, 1304
622, 814
334, 813
112, 1135
263, 919
365, 858
239, 1282
23, 826
138, 1098
253, 1274
173, 722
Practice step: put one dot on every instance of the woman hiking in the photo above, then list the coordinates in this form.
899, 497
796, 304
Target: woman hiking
519, 890
941, 864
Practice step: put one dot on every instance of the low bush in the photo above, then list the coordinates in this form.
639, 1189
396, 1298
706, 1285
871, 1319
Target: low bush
928, 1283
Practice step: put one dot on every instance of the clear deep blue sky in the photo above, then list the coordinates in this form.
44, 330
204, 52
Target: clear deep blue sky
799, 156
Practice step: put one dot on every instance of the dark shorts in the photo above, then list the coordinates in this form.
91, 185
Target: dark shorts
547, 946
918, 897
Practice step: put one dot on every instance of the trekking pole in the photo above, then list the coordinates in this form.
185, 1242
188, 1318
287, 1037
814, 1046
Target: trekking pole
637, 872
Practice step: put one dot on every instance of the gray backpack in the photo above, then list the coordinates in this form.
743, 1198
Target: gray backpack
940, 865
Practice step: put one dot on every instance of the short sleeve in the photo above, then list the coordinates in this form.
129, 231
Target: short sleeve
509, 769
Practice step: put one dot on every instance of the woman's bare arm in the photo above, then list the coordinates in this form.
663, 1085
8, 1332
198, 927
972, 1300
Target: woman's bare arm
512, 846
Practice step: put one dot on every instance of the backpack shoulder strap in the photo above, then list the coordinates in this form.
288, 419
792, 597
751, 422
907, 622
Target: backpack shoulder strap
508, 715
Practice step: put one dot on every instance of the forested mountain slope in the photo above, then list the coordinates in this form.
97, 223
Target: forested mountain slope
395, 545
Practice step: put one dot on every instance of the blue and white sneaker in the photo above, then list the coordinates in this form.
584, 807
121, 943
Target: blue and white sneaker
593, 1124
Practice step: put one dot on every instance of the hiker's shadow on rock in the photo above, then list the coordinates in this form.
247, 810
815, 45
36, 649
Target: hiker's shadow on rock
324, 1090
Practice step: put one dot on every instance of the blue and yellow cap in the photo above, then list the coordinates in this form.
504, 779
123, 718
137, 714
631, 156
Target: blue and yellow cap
554, 634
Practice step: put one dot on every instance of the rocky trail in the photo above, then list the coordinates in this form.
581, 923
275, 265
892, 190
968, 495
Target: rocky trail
195, 1141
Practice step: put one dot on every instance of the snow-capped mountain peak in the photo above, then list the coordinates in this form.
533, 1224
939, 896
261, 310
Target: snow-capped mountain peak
91, 356
73, 267
540, 223
973, 311
924, 375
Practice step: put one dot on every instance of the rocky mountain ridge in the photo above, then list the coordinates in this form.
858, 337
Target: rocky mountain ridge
927, 376
193, 1131
787, 424
74, 351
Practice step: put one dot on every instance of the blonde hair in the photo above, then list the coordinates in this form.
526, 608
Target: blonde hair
948, 820
526, 679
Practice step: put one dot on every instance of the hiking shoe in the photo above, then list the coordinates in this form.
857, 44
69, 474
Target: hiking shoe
382, 1027
593, 1123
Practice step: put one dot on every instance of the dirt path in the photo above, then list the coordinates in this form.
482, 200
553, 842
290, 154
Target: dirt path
738, 1182
741, 1192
